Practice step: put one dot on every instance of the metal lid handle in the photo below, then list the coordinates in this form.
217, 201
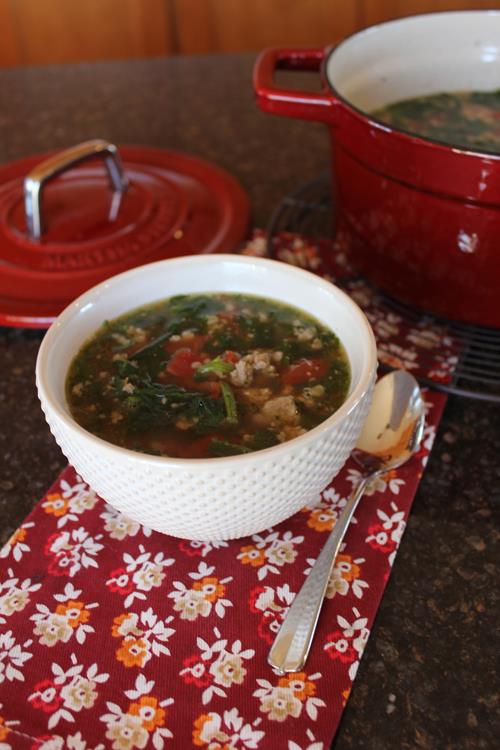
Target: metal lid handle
54, 165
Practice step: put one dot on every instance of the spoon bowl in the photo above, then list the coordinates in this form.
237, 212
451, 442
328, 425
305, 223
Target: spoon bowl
391, 435
393, 429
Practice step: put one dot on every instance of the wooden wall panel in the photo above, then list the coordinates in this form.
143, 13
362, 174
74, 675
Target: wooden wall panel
10, 53
52, 31
234, 25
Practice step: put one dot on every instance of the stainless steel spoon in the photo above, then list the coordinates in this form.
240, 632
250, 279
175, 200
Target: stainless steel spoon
390, 436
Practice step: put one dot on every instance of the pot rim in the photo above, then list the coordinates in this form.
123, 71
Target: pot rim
330, 51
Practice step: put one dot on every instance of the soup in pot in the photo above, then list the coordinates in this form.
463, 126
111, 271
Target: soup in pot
199, 376
469, 119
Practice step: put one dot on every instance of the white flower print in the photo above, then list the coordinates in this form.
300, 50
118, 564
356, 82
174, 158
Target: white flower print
345, 575
426, 338
144, 718
194, 547
12, 657
127, 732
428, 441
70, 501
16, 544
389, 481
386, 326
67, 691
273, 605
143, 636
191, 604
397, 356
148, 576
140, 574
347, 643
228, 669
273, 600
280, 703
386, 535
300, 253
331, 496
70, 618
72, 550
314, 745
52, 628
52, 743
336, 585
217, 666
281, 552
293, 692
361, 293
257, 246
76, 742
15, 595
270, 553
443, 369
79, 693
213, 731
118, 525
205, 593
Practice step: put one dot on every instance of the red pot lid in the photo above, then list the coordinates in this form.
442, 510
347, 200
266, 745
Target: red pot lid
63, 228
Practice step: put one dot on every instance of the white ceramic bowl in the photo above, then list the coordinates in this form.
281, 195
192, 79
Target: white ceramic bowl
214, 498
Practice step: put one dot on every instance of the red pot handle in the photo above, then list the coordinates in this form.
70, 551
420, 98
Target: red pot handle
304, 105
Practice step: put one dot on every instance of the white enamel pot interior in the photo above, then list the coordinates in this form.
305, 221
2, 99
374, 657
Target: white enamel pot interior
416, 56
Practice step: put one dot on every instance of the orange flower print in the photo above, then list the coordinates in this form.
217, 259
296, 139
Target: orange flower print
124, 625
56, 505
345, 695
4, 731
297, 681
18, 536
322, 519
134, 652
149, 712
198, 728
207, 730
211, 588
252, 556
74, 612
348, 569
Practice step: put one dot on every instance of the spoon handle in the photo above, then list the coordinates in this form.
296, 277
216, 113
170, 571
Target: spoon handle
291, 646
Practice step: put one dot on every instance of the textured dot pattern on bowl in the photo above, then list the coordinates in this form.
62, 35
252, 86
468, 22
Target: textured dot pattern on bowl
219, 498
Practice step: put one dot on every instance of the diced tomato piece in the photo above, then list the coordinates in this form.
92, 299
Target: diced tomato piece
304, 370
196, 343
181, 363
230, 356
212, 387
200, 448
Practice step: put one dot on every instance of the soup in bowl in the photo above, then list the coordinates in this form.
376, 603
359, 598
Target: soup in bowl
208, 397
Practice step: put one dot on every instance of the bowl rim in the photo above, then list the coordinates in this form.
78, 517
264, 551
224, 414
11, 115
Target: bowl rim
45, 392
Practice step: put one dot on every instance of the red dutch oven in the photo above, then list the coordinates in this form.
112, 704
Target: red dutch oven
422, 218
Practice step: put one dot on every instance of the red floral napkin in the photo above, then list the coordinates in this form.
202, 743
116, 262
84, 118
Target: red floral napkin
114, 636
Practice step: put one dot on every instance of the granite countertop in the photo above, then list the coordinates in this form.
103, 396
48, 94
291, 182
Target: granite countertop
427, 678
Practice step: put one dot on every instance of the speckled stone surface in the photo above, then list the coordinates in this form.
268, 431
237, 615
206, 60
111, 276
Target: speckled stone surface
428, 676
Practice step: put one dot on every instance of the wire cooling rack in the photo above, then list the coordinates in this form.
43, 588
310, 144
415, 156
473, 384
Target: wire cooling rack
454, 357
